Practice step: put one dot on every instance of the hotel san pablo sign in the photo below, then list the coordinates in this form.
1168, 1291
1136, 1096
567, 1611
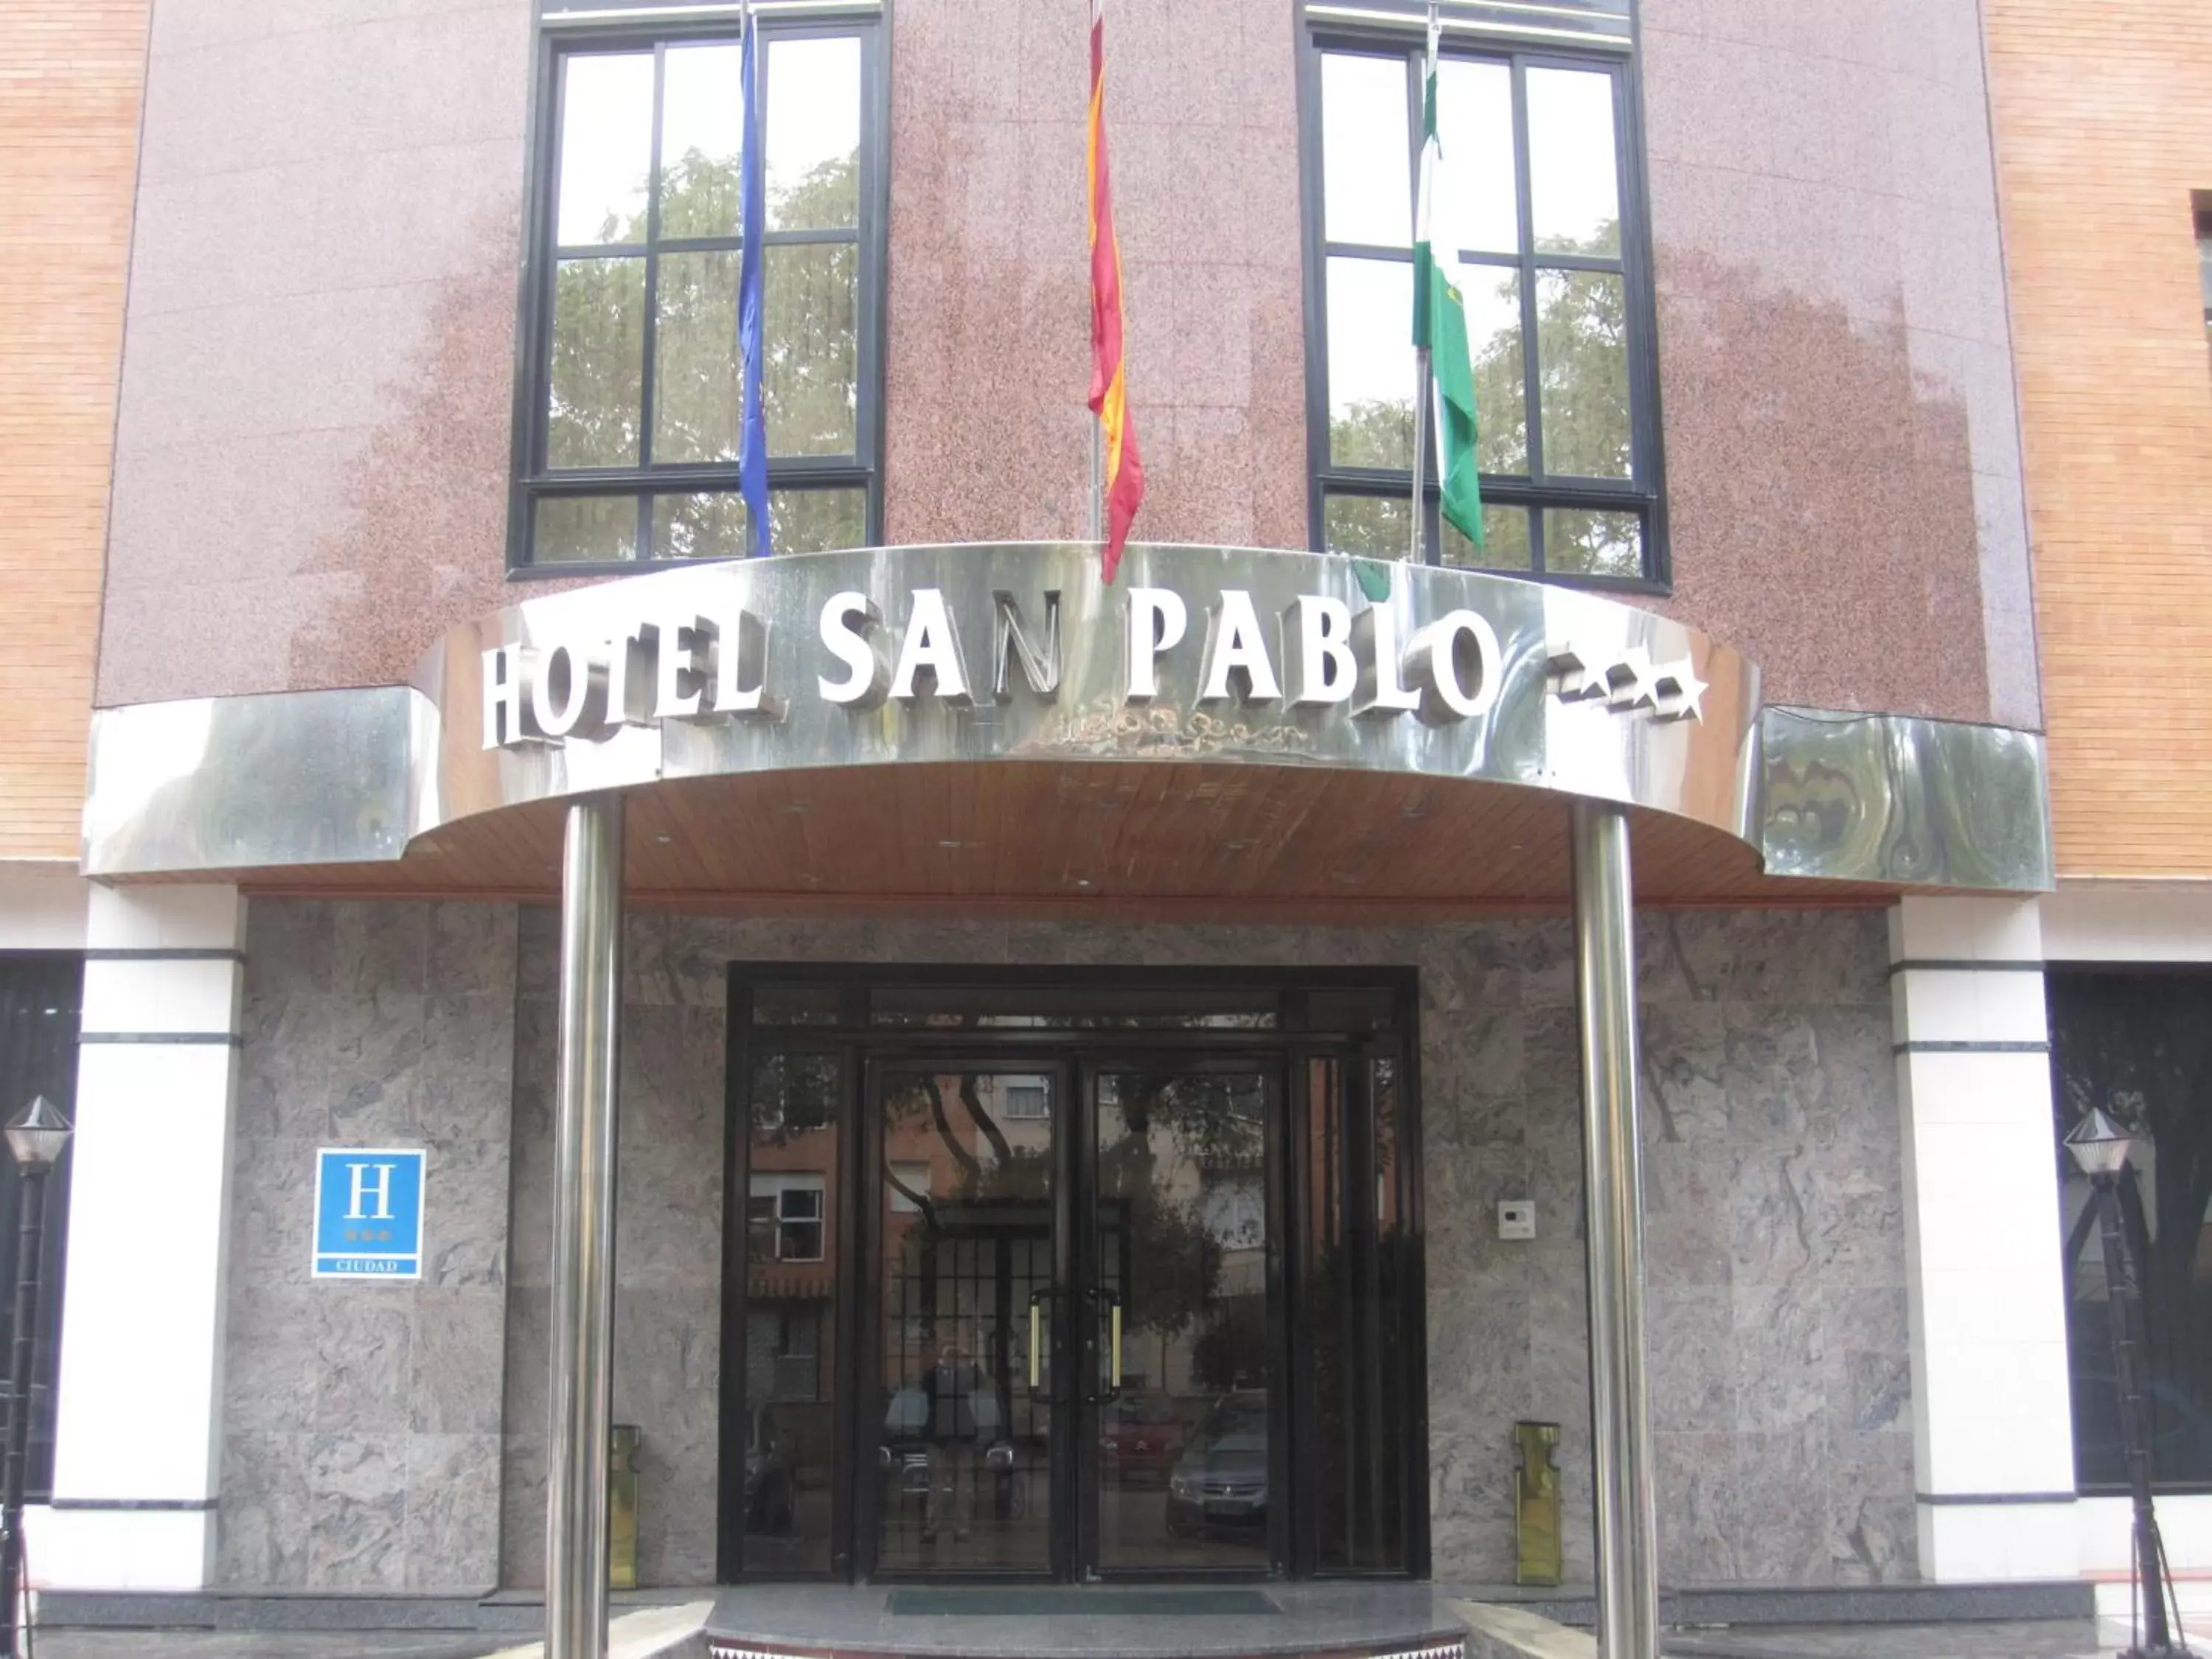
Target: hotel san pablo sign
1234, 653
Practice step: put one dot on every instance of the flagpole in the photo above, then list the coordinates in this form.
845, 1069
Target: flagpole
1420, 449
1097, 479
1418, 540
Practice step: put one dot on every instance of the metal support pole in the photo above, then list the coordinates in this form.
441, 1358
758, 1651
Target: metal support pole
1097, 479
1612, 1175
29, 1238
1419, 551
584, 1230
2149, 1550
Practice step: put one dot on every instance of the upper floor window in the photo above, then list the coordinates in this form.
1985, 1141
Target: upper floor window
627, 434
1547, 200
2204, 263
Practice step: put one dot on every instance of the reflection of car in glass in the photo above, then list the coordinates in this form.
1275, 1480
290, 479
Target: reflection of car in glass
771, 1472
1141, 1436
1220, 1485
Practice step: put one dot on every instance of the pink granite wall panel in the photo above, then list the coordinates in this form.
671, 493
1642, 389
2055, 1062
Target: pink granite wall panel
313, 452
987, 434
1842, 446
310, 476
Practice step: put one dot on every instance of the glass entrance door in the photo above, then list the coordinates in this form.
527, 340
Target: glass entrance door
1063, 1274
970, 1246
1182, 1455
1073, 1345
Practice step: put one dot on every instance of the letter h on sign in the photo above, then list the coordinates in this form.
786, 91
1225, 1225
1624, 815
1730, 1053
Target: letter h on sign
368, 1212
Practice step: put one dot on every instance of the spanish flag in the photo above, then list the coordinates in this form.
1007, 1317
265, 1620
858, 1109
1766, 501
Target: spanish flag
1124, 482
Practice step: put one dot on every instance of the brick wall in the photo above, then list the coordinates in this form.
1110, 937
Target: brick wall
2104, 128
70, 76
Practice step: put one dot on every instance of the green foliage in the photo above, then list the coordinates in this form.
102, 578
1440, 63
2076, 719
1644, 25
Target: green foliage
809, 377
1582, 341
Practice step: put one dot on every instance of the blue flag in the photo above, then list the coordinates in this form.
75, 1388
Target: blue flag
752, 437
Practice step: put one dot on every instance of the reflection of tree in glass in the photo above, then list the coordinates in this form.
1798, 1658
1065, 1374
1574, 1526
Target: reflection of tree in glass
1581, 356
792, 1095
1171, 1123
808, 380
1582, 334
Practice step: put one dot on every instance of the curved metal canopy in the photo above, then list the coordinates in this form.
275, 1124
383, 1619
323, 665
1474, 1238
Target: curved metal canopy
907, 691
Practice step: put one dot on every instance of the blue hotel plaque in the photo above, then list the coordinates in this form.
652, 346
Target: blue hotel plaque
368, 1212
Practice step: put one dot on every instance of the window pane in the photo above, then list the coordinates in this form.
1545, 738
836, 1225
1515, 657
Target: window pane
1574, 177
575, 529
1370, 363
1375, 526
791, 1307
809, 384
810, 381
793, 1005
1505, 541
817, 520
1592, 544
1492, 298
1366, 163
700, 128
708, 525
606, 148
814, 134
1582, 346
695, 384
599, 351
1474, 129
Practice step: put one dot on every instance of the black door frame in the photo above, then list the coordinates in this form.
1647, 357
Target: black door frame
1278, 1052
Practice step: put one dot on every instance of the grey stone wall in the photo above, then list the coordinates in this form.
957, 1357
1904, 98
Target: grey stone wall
360, 1427
1781, 1387
1773, 1168
1779, 1351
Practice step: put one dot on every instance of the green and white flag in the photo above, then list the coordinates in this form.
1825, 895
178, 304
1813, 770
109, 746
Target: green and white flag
1440, 320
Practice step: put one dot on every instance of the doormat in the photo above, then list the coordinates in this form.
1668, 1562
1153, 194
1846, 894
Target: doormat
1045, 1601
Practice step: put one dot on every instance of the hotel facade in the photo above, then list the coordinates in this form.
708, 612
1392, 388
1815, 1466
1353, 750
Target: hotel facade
1069, 1081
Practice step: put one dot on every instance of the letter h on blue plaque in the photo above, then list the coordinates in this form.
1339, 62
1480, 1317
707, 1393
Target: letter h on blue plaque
368, 1212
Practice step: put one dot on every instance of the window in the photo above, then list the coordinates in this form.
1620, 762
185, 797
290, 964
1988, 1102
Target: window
626, 432
1546, 199
783, 1217
2138, 1046
783, 1351
2205, 262
1026, 1101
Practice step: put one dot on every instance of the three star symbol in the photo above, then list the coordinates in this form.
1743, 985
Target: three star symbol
1631, 681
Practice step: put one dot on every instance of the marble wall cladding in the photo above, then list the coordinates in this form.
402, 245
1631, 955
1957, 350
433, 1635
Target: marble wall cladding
1781, 1390
362, 1421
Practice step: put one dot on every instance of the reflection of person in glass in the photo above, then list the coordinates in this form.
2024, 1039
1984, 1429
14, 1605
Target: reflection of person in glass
959, 1420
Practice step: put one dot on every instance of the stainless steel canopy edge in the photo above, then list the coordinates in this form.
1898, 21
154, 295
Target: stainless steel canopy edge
1892, 798
352, 776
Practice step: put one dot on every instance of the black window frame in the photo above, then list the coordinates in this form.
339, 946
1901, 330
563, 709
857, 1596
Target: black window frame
2201, 206
531, 481
1644, 492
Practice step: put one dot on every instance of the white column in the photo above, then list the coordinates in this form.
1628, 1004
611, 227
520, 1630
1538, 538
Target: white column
138, 1417
1992, 1424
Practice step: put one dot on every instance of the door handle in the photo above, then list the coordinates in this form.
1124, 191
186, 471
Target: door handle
1036, 1345
1112, 1392
1037, 1301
